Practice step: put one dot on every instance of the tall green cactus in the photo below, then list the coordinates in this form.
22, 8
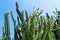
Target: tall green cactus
16, 30
7, 26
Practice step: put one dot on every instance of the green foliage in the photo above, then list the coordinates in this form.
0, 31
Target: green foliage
34, 27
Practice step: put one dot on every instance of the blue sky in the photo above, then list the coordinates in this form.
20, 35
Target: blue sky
9, 5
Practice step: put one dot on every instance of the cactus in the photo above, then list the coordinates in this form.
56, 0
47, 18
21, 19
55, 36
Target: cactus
7, 27
57, 24
34, 27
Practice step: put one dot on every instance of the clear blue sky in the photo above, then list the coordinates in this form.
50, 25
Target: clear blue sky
9, 5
